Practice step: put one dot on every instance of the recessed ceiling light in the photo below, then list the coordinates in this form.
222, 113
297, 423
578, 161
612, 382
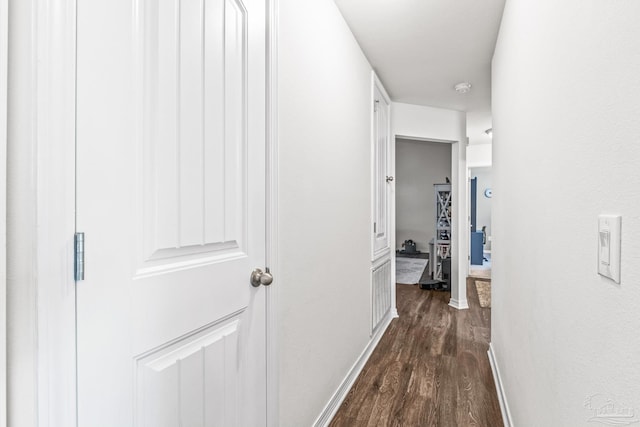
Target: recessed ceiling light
463, 87
489, 131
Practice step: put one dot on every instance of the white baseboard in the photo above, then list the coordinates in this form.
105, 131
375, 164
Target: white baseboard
338, 397
502, 397
459, 304
394, 313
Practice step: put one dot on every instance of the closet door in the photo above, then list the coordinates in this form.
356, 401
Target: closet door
170, 195
382, 179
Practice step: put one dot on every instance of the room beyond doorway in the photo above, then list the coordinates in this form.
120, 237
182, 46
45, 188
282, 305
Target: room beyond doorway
421, 168
481, 192
419, 165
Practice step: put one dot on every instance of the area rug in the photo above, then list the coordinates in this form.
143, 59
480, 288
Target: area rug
484, 293
409, 270
484, 273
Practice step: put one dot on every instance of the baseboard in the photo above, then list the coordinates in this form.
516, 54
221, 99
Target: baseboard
338, 397
459, 304
502, 397
394, 313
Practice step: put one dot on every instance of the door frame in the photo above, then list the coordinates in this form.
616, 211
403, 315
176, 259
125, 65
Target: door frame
272, 259
475, 165
41, 360
460, 242
4, 58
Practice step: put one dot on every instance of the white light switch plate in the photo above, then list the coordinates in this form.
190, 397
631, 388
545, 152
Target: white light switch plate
609, 229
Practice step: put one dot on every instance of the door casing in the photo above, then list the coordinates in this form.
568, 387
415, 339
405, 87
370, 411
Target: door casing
460, 242
4, 33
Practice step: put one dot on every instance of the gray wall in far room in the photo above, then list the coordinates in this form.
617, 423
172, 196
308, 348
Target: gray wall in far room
419, 165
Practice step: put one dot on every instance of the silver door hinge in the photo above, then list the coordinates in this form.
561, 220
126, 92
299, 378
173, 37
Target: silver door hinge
374, 226
375, 105
79, 257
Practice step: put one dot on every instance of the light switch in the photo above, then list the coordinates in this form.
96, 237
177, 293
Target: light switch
609, 228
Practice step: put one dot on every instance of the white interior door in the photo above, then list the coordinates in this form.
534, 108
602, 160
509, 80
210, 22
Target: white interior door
382, 179
170, 196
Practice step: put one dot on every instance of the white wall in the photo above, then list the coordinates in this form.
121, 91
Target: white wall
479, 155
566, 145
429, 123
411, 121
419, 165
324, 205
477, 124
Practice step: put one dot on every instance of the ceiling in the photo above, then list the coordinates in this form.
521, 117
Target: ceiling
421, 49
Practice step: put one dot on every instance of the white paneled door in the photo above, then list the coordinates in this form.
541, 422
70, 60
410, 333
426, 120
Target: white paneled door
170, 196
382, 178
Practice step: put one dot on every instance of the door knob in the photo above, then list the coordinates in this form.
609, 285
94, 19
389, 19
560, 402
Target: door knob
259, 277
389, 178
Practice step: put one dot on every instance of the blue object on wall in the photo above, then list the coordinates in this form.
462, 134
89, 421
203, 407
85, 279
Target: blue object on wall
476, 248
474, 198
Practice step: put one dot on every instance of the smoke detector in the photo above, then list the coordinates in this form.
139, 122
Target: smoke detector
463, 87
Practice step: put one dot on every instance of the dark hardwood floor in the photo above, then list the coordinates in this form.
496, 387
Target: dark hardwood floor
430, 368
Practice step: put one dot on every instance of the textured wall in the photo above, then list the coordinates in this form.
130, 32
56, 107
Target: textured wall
566, 146
324, 207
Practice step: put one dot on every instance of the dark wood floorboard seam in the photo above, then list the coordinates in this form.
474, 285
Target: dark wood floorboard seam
430, 368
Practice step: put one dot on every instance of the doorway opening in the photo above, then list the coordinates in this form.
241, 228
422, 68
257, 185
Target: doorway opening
423, 213
480, 193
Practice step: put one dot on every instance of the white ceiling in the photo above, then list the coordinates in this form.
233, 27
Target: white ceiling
421, 48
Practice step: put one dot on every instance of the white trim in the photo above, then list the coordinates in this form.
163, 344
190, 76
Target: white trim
502, 397
341, 393
55, 201
4, 59
41, 359
381, 257
380, 260
419, 138
392, 217
273, 361
459, 304
460, 229
21, 225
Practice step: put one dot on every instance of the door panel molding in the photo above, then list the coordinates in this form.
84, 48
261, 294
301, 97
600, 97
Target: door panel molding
193, 101
165, 377
381, 187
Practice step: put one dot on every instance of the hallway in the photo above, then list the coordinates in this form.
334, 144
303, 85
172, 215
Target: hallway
430, 368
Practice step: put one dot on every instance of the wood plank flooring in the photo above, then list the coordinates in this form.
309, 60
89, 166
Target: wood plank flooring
429, 369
